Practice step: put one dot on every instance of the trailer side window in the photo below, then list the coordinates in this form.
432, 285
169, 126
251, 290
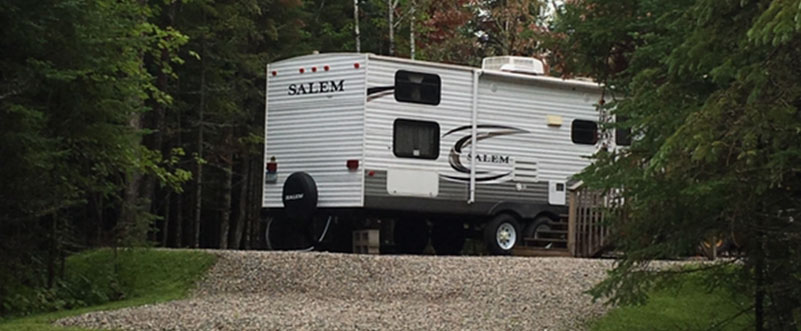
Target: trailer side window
584, 132
416, 87
623, 136
415, 139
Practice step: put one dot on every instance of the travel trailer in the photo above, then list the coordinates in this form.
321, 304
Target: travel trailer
419, 151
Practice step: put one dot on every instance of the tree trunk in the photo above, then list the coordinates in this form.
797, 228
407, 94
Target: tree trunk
241, 217
390, 19
412, 20
779, 274
759, 295
179, 206
356, 26
157, 195
149, 193
252, 164
165, 226
225, 220
257, 179
178, 240
95, 227
128, 215
248, 236
52, 252
199, 172
100, 220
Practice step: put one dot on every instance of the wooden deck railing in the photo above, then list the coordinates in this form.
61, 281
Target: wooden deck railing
588, 235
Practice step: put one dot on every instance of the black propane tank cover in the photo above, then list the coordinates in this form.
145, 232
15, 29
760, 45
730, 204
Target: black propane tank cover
300, 196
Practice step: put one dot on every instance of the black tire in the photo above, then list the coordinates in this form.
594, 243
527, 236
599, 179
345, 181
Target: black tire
282, 234
538, 224
496, 244
447, 237
411, 236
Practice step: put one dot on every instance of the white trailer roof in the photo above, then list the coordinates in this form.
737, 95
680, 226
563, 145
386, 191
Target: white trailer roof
497, 73
501, 74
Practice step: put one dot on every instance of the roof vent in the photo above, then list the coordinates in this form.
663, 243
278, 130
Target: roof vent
516, 64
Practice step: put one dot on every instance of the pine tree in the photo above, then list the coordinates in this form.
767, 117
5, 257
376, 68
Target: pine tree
710, 91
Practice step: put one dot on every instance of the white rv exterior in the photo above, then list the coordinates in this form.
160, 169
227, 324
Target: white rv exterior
314, 131
381, 135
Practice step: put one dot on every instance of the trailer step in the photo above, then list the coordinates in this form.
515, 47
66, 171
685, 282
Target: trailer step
552, 233
547, 246
545, 240
558, 226
536, 251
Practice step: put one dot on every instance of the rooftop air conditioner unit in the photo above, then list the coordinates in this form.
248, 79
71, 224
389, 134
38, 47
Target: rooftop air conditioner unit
516, 64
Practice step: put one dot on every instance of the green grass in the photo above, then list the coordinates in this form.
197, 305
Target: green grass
690, 306
144, 276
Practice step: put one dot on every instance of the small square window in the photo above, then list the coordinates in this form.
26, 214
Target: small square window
584, 132
623, 136
415, 139
416, 87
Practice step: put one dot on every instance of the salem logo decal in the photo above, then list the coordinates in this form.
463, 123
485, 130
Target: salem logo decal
497, 165
291, 197
317, 87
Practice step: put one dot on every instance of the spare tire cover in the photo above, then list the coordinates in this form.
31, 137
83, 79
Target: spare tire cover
300, 196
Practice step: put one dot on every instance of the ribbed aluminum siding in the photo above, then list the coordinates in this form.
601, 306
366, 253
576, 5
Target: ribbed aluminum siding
519, 103
525, 104
317, 133
453, 111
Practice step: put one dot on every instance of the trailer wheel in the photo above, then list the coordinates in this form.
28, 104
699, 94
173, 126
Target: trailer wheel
411, 236
282, 234
447, 237
541, 223
501, 234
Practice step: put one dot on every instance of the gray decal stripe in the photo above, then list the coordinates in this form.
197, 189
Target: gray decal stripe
485, 126
378, 95
377, 89
484, 179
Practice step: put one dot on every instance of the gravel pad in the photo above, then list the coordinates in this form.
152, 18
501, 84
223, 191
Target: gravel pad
324, 291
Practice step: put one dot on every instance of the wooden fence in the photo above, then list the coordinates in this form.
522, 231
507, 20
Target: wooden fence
588, 236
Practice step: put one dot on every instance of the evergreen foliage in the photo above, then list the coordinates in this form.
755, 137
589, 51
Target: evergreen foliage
140, 122
710, 90
73, 80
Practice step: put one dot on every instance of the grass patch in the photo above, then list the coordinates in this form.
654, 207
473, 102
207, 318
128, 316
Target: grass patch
139, 276
688, 305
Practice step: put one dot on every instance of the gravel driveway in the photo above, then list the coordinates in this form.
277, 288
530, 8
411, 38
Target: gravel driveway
323, 291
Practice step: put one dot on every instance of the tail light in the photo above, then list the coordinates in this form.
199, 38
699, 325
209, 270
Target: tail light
353, 165
271, 171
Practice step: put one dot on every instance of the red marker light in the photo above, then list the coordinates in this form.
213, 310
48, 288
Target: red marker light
275, 73
353, 165
356, 65
301, 70
326, 68
371, 173
314, 69
272, 167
